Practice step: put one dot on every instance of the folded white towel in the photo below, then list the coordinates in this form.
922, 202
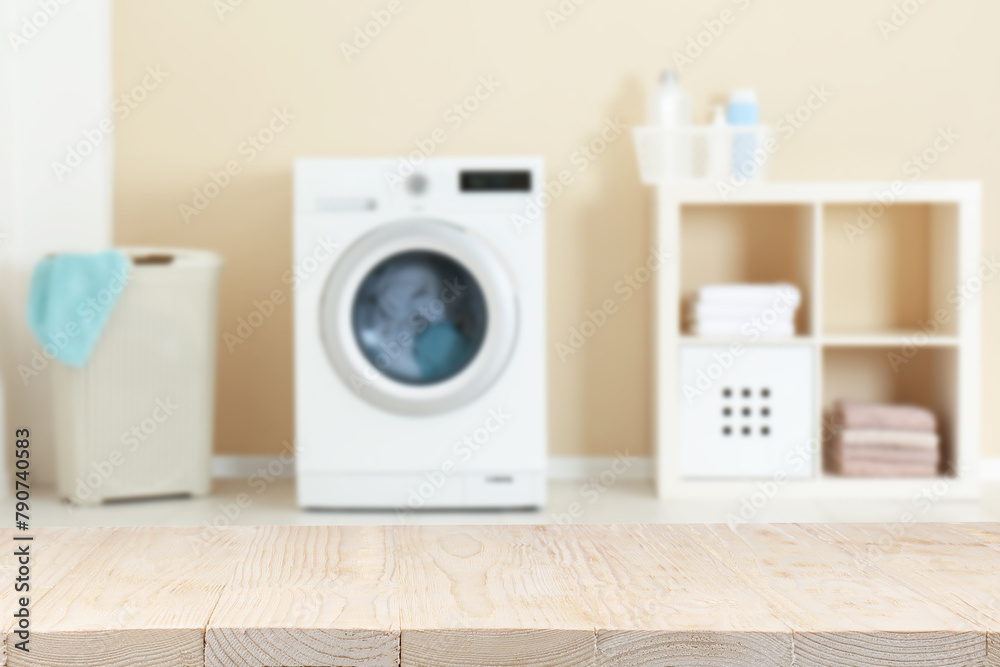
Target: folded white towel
738, 328
756, 295
706, 311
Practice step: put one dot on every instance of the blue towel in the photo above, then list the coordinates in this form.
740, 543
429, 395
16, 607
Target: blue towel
440, 351
70, 299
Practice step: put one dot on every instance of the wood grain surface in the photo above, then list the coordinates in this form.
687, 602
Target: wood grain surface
55, 553
309, 597
555, 596
493, 594
134, 596
844, 618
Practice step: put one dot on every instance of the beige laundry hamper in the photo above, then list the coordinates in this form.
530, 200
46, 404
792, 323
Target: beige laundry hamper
137, 420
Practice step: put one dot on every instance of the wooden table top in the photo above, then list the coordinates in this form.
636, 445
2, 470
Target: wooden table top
643, 595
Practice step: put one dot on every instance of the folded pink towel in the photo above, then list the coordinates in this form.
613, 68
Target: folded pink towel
883, 453
868, 469
905, 456
870, 437
853, 415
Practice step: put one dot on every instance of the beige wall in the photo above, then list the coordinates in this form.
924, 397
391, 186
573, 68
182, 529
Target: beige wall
890, 97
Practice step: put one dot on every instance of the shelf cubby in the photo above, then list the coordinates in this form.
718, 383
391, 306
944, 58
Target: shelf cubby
739, 244
928, 378
889, 270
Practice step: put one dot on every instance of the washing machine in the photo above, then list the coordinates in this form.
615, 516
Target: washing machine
420, 362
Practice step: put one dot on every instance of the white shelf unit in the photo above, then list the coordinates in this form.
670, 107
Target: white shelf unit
862, 300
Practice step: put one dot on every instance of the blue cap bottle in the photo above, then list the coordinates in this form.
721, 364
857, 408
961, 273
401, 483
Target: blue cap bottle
744, 110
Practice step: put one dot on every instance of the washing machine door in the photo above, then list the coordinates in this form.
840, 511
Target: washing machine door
419, 317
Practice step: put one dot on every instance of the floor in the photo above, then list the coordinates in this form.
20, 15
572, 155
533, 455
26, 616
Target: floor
809, 595
569, 502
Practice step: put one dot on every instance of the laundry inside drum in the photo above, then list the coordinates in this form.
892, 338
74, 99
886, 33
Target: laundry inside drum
420, 317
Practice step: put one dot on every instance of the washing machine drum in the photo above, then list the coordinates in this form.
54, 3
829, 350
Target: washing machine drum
419, 317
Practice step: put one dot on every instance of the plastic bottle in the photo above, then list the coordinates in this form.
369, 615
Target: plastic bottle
743, 110
720, 145
670, 104
670, 109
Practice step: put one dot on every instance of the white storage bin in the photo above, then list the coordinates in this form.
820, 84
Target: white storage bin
702, 153
137, 420
749, 415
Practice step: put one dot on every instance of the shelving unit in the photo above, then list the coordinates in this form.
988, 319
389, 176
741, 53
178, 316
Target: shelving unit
874, 277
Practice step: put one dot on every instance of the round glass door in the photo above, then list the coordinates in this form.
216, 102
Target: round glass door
419, 317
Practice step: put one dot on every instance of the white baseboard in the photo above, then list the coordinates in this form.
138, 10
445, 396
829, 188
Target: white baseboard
245, 466
561, 468
573, 468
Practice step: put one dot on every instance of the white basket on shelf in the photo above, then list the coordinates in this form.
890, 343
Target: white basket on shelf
702, 153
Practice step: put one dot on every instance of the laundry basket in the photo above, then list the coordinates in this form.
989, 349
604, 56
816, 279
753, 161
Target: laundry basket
137, 420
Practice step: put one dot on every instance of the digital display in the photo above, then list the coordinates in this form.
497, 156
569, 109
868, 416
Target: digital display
496, 181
